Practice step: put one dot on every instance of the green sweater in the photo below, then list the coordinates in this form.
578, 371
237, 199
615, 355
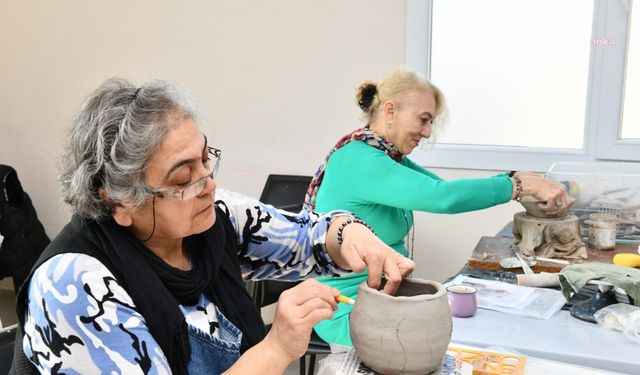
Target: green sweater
383, 192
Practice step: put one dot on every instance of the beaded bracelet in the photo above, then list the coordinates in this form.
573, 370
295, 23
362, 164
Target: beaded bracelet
518, 181
350, 221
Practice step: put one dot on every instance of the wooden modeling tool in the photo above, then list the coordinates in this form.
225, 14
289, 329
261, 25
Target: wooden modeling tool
345, 299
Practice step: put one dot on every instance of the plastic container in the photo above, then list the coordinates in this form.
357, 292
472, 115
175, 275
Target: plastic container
612, 188
602, 230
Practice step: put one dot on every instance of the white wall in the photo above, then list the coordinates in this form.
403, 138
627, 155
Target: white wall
275, 81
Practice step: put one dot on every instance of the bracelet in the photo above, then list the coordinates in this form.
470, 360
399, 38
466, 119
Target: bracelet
512, 173
351, 221
518, 181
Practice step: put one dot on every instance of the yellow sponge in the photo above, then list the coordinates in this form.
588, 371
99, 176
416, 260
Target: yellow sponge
627, 259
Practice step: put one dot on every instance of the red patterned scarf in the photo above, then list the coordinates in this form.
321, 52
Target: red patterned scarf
363, 134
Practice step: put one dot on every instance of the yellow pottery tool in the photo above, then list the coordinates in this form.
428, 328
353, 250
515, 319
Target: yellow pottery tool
345, 299
627, 259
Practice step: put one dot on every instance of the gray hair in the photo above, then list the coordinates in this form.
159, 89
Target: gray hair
112, 138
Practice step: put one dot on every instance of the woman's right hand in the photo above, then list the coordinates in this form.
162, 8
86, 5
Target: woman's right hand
553, 196
298, 310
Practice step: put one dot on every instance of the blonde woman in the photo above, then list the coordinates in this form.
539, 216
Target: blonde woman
368, 173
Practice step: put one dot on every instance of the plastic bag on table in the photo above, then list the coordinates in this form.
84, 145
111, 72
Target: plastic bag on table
621, 317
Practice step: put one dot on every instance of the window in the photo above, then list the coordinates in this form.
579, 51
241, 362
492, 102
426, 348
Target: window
529, 82
631, 113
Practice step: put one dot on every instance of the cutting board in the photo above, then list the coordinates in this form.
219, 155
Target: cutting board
490, 250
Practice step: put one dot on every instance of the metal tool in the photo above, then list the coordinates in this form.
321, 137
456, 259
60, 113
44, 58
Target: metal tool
523, 262
513, 262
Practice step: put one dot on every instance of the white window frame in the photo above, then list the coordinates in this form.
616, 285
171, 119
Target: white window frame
604, 99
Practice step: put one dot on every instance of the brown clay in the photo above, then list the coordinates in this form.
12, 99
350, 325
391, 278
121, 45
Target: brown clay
532, 206
547, 237
403, 334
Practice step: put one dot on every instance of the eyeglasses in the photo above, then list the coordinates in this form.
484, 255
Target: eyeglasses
196, 188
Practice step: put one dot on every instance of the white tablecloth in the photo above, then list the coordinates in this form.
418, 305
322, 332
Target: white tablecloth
561, 338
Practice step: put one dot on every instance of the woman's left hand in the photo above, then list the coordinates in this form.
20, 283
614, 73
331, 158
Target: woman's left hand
362, 249
553, 195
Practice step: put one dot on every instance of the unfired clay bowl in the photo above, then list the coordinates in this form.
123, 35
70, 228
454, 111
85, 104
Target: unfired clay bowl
403, 334
532, 206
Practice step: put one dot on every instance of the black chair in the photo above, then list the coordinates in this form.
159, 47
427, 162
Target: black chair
286, 192
7, 338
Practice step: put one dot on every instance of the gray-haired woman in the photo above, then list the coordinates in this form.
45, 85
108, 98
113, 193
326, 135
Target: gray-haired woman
147, 276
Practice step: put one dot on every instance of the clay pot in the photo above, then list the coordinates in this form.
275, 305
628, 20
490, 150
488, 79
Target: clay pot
403, 334
532, 206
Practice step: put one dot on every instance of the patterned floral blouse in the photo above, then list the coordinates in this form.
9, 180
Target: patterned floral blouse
71, 286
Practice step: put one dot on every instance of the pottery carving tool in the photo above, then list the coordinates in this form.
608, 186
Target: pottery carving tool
513, 262
627, 259
345, 299
522, 259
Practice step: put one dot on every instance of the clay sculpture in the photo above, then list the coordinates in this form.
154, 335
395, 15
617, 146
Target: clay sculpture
403, 334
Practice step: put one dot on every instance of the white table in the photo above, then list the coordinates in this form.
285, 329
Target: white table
347, 363
561, 338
